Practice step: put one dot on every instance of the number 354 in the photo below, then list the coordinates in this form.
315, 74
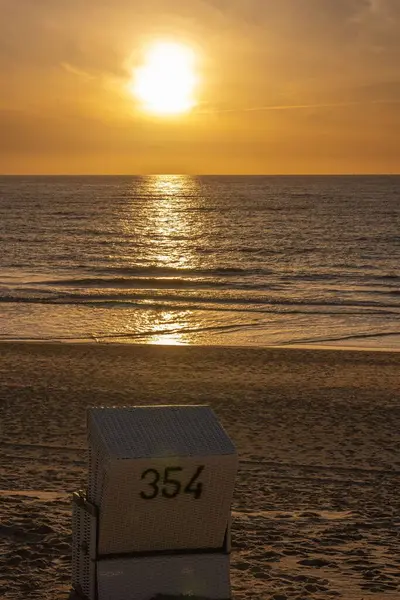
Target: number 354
168, 485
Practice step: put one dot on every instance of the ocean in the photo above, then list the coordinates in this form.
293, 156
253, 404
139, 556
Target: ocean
176, 259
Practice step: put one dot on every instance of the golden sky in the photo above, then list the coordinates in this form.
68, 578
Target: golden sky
286, 86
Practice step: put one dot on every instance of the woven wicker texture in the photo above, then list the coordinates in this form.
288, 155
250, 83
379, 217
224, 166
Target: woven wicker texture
205, 575
162, 478
84, 528
129, 523
158, 431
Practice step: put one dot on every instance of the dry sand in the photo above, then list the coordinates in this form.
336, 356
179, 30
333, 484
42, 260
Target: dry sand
317, 503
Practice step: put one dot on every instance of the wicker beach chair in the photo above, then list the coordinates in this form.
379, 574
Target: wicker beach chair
156, 517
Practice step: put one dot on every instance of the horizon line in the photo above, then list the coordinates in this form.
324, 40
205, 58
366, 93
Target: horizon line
175, 174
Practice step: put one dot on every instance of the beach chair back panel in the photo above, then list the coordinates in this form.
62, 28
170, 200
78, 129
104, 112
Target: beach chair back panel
163, 478
191, 575
157, 522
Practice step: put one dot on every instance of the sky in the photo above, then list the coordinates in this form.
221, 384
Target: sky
288, 86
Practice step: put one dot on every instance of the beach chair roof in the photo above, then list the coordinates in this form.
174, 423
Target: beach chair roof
157, 431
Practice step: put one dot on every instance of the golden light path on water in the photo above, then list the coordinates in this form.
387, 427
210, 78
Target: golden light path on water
172, 223
172, 229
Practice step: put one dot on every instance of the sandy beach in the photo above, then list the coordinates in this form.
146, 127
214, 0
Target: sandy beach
316, 513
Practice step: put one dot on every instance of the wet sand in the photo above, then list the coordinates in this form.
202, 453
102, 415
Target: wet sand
317, 503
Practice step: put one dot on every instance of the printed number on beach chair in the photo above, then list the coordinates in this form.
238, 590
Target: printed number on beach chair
171, 488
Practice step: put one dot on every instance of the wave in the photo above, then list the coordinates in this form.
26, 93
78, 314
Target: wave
145, 336
133, 283
258, 276
229, 303
125, 273
340, 276
347, 337
226, 278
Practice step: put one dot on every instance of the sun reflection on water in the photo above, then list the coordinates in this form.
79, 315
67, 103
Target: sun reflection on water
174, 339
173, 227
171, 185
167, 328
165, 239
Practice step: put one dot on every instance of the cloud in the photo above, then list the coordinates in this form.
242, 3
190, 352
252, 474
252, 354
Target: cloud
301, 107
98, 36
76, 71
64, 64
24, 131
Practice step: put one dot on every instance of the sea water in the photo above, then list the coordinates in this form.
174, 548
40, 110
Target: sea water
176, 259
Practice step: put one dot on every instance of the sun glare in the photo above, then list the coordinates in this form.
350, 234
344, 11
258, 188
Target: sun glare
165, 84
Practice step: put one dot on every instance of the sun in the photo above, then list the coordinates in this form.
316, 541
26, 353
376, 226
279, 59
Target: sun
166, 83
